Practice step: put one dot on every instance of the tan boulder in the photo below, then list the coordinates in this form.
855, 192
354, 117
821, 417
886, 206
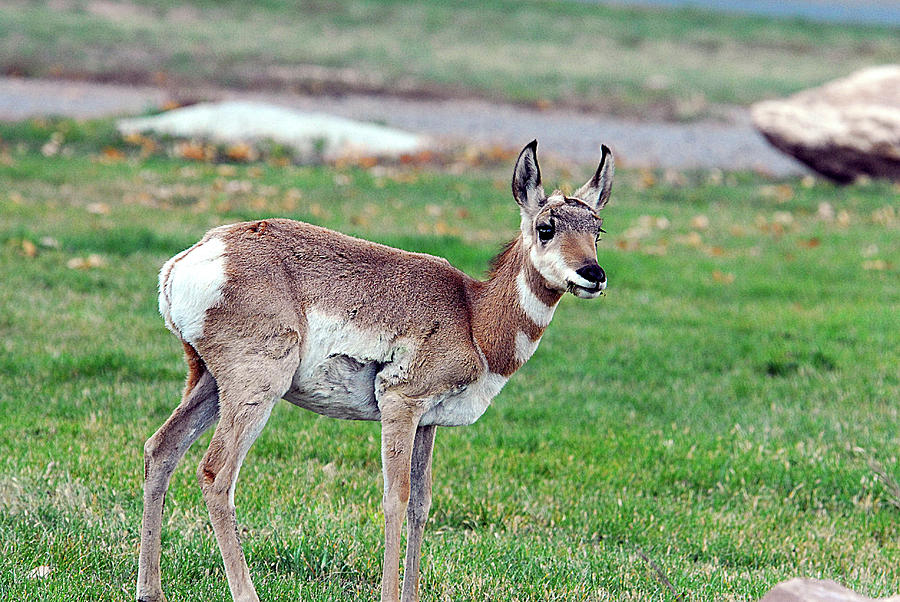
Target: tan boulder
844, 129
815, 590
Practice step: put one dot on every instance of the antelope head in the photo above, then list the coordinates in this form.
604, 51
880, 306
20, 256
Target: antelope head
559, 232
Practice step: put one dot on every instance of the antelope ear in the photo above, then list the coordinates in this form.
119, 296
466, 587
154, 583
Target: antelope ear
596, 191
526, 180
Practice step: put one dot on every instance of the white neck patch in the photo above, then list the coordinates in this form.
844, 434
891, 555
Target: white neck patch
525, 347
537, 311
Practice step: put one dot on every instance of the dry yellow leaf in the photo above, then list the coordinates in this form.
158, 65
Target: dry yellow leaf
879, 265
29, 248
723, 277
700, 222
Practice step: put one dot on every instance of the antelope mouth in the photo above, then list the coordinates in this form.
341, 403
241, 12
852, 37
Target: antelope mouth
587, 292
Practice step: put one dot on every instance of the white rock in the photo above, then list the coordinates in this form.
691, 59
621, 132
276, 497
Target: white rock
307, 133
844, 129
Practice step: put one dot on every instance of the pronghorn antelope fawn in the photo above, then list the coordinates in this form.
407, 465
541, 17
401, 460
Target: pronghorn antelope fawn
352, 329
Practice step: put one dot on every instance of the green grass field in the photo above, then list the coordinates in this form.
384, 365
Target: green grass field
729, 411
664, 63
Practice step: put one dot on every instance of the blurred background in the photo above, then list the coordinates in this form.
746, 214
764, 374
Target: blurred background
647, 77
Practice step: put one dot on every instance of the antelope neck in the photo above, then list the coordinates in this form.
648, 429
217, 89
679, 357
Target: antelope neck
511, 310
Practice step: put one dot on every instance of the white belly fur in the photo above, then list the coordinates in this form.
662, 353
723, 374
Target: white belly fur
340, 365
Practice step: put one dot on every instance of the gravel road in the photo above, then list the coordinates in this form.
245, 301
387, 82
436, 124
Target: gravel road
571, 135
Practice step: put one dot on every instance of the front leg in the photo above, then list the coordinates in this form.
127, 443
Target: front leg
399, 419
419, 505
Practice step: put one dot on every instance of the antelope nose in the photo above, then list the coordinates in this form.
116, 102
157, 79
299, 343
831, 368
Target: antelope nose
593, 273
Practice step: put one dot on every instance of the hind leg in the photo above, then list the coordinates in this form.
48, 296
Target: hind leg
199, 408
248, 390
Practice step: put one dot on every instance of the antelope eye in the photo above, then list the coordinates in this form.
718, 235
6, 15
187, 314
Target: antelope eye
546, 232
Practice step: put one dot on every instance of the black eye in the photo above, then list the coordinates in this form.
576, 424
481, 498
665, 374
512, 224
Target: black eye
546, 232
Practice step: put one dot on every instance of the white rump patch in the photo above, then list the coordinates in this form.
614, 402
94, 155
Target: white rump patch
537, 311
190, 284
525, 347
